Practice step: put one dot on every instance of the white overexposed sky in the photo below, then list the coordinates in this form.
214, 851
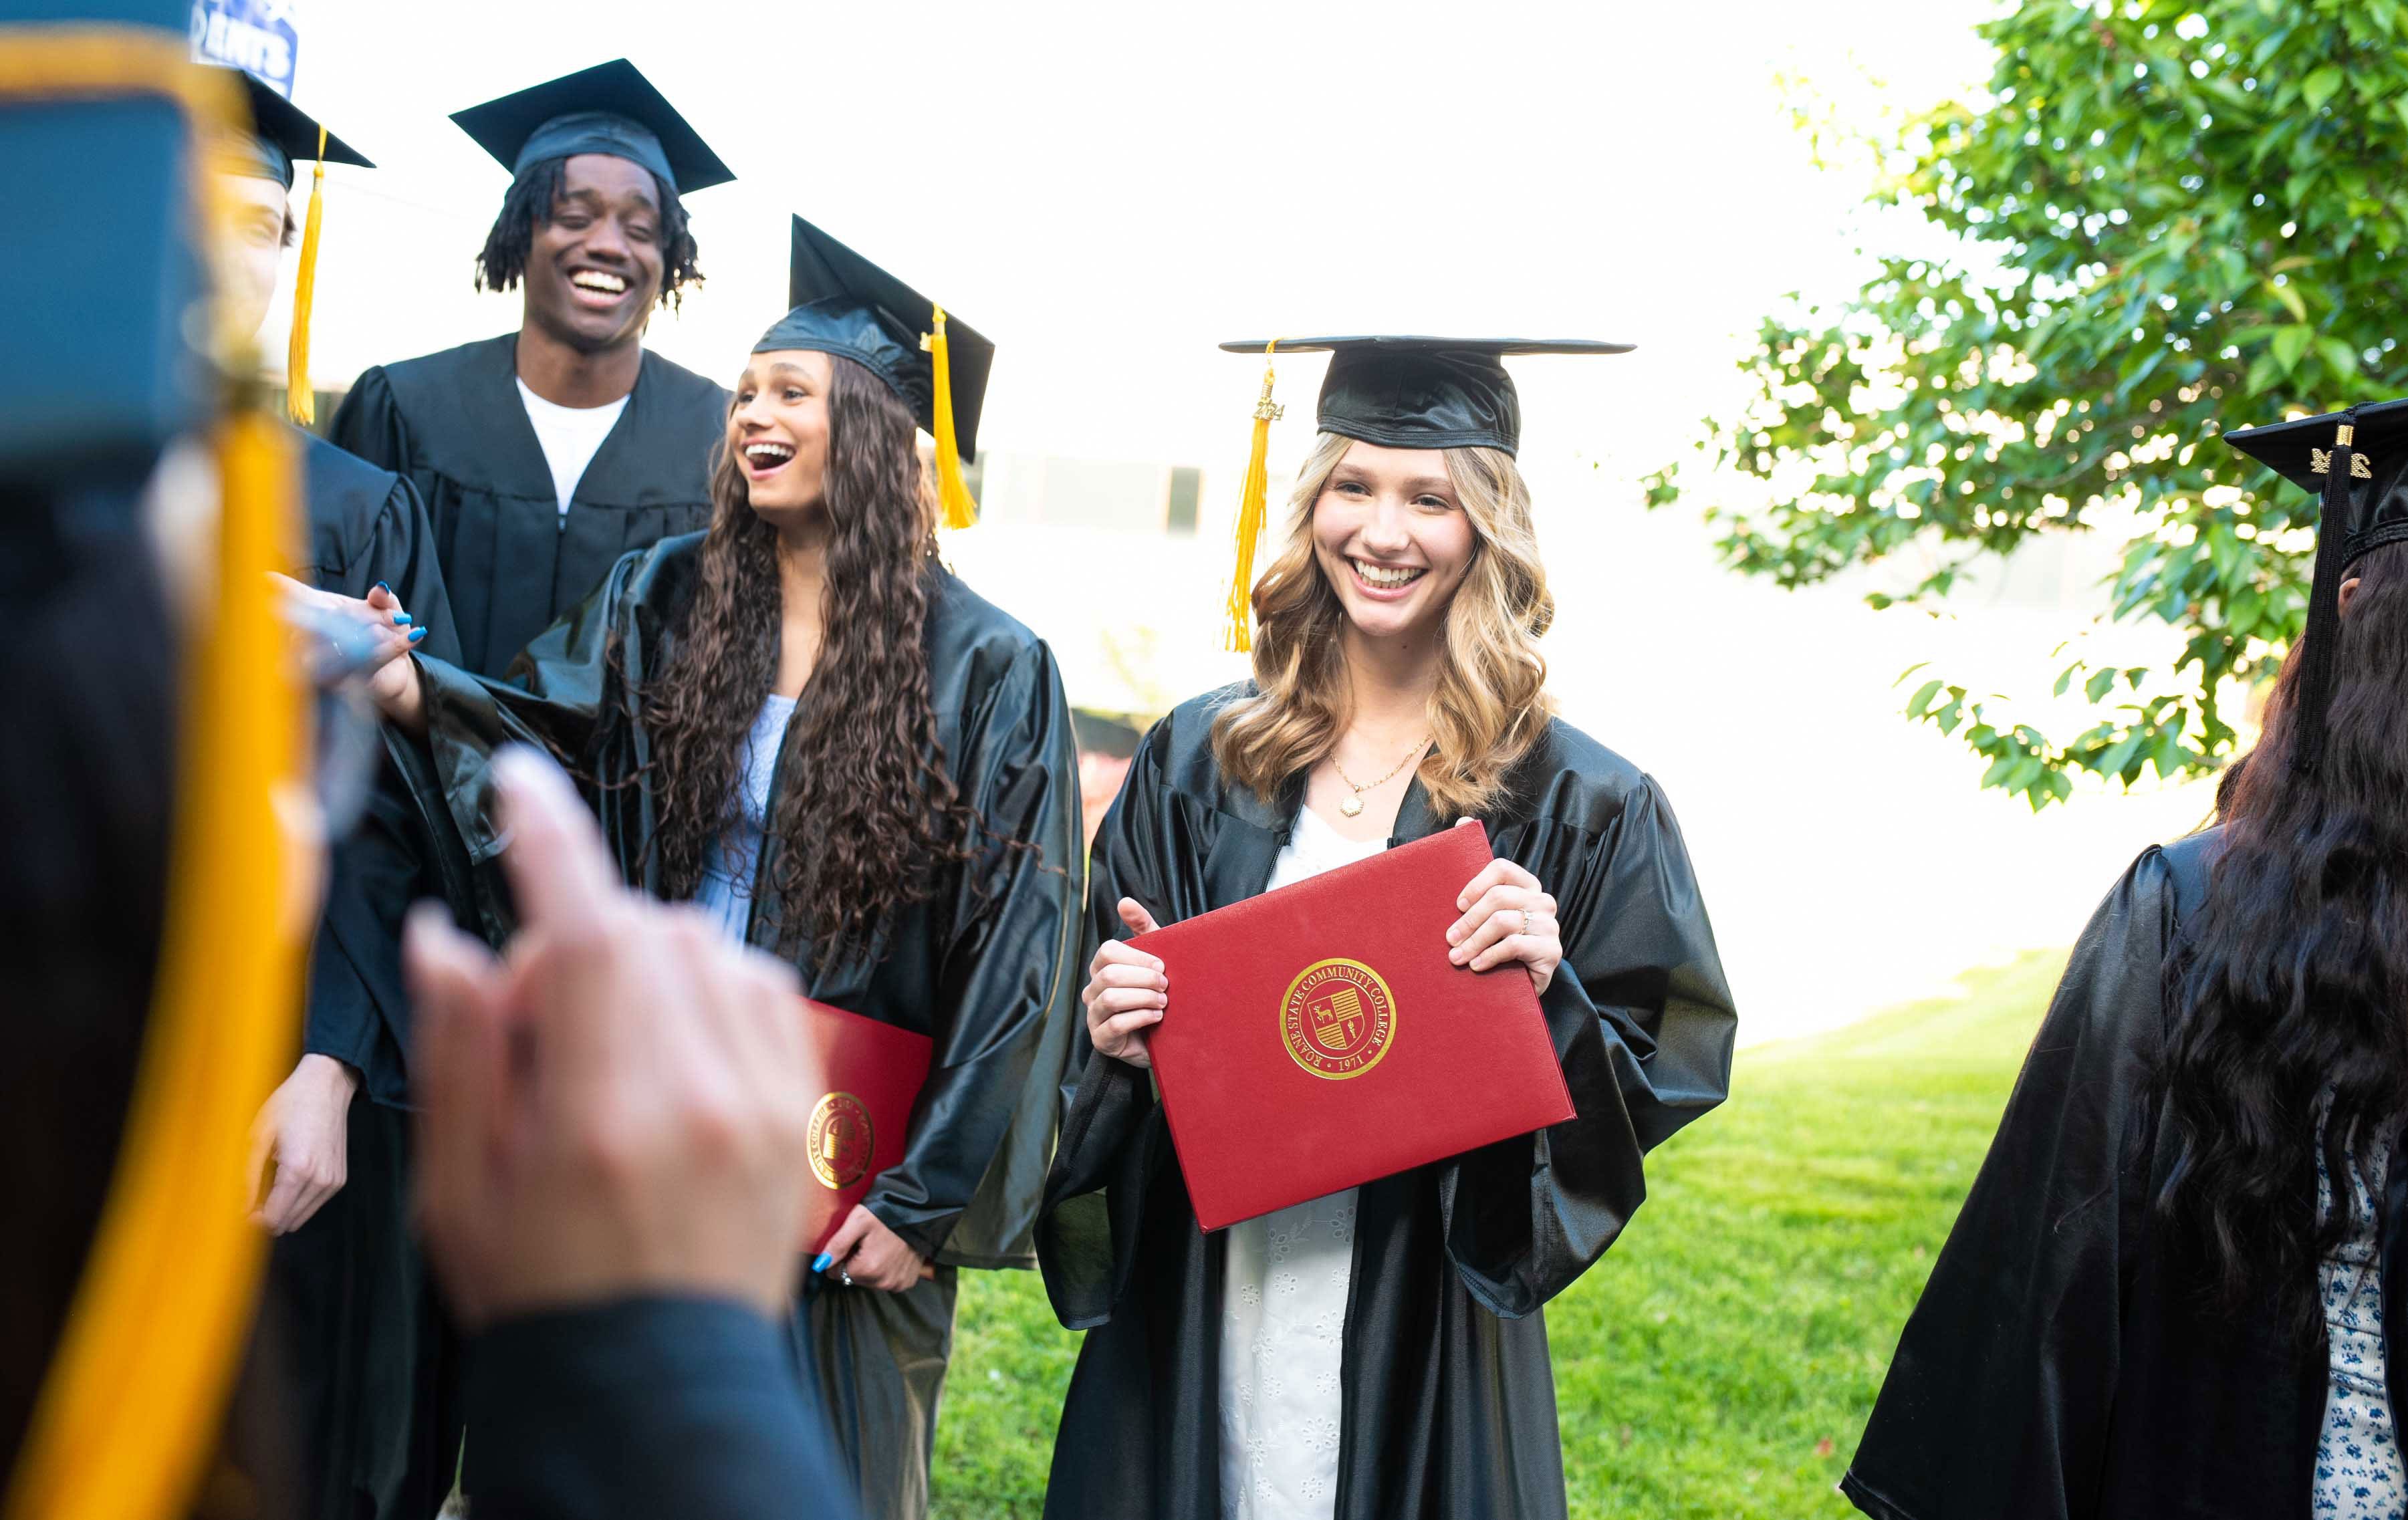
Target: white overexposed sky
1107, 190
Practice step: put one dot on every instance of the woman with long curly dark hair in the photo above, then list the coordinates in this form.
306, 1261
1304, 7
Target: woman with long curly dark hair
803, 722
2169, 1290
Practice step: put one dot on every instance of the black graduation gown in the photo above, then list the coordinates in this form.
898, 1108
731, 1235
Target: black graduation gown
2059, 1365
1449, 1407
367, 526
364, 1343
987, 966
455, 423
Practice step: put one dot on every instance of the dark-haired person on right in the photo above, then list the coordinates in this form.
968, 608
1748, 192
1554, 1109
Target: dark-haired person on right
546, 454
2169, 1290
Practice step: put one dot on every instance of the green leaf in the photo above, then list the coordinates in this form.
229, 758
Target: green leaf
2290, 343
2337, 353
1921, 698
2097, 687
2289, 295
2318, 87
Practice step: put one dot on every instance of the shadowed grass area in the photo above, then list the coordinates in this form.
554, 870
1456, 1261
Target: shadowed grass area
1720, 1361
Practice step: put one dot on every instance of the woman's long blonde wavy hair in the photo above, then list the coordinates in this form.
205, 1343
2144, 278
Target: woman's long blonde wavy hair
1491, 702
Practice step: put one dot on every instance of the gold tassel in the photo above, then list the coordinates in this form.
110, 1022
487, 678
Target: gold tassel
1252, 508
953, 491
300, 403
133, 1396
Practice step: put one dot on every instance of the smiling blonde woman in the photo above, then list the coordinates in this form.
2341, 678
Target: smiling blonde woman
1380, 1352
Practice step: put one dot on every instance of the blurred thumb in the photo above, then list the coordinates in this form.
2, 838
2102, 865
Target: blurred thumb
560, 870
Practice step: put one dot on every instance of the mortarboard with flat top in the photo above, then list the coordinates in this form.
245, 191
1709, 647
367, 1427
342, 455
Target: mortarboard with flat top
2356, 461
1400, 393
1423, 393
609, 108
282, 133
844, 305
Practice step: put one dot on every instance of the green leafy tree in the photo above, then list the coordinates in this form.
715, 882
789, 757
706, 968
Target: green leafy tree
2170, 218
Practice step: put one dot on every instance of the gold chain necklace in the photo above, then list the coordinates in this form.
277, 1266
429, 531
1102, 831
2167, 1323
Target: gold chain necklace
1354, 805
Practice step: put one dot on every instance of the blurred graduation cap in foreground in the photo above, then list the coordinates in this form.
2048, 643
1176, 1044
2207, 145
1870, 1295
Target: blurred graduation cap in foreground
844, 305
105, 126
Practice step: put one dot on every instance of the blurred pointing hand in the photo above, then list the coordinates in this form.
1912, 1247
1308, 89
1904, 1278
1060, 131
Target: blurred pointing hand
622, 1105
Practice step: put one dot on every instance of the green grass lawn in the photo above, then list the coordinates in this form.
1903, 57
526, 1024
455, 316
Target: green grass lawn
1721, 1359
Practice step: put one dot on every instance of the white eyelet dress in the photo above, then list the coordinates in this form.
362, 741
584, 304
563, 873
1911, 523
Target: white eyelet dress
1284, 1287
2359, 1473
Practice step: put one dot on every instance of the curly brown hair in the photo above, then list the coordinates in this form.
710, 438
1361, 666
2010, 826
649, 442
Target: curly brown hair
866, 812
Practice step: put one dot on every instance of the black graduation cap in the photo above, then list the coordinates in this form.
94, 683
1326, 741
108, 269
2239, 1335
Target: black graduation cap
2356, 461
609, 108
1423, 393
844, 305
282, 132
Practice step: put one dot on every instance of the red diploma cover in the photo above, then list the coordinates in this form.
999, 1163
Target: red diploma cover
1318, 1038
870, 1074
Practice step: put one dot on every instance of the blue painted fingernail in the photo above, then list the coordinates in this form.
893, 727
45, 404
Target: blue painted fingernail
381, 587
417, 634
821, 1265
403, 618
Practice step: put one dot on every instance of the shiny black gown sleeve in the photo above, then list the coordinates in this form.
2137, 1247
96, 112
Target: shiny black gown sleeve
660, 1405
1999, 1400
1644, 1025
970, 1182
564, 693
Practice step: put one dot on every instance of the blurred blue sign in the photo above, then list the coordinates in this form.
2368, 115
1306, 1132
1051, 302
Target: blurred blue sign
256, 36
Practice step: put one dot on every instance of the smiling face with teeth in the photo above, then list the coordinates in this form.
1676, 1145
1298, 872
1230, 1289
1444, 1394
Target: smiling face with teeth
595, 269
1392, 540
778, 432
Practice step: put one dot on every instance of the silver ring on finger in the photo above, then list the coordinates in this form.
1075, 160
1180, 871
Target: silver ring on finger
1526, 921
844, 1277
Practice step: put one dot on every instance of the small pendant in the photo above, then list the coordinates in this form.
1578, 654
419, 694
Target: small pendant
1352, 805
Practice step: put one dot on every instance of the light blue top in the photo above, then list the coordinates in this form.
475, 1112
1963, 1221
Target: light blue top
726, 891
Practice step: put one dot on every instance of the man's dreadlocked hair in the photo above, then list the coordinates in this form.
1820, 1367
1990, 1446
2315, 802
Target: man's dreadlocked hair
530, 200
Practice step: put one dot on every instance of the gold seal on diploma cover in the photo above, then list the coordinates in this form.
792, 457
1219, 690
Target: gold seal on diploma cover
843, 1140
1338, 1019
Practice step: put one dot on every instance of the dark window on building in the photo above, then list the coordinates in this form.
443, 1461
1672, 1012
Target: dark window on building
1186, 485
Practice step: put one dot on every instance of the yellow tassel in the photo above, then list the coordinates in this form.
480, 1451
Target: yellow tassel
300, 403
131, 1403
953, 491
1252, 510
